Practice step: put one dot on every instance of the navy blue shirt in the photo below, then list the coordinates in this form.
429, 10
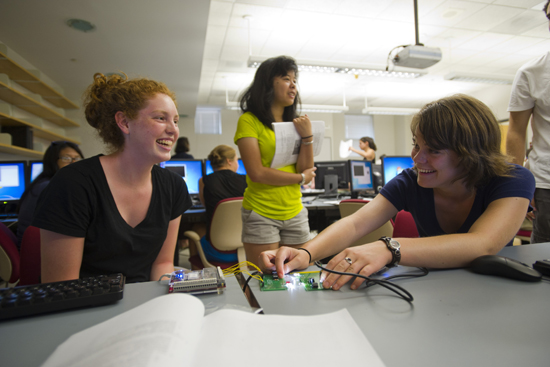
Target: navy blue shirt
404, 193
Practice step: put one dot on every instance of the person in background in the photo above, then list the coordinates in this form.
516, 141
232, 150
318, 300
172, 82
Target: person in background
530, 101
368, 149
117, 213
222, 184
272, 212
182, 149
58, 155
466, 201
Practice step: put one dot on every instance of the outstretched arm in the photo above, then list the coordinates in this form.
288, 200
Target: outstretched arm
333, 239
488, 235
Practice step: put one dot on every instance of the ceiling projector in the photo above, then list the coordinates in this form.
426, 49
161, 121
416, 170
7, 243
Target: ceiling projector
417, 56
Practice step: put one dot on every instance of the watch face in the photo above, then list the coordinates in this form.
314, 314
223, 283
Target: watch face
395, 245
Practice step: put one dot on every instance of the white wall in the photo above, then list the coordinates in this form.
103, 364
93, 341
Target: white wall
392, 134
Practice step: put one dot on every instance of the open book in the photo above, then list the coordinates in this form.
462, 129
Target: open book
171, 330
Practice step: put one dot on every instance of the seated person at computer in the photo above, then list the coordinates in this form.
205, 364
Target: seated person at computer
117, 213
182, 149
466, 200
272, 202
58, 155
368, 149
222, 184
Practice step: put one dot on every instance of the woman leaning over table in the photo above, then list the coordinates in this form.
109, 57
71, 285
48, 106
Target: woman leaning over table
272, 212
466, 200
117, 213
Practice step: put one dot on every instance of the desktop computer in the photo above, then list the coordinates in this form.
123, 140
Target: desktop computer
361, 179
12, 186
191, 170
209, 170
393, 165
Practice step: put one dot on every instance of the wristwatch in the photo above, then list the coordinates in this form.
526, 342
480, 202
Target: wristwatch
395, 248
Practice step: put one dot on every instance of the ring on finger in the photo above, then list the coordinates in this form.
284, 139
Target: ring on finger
348, 260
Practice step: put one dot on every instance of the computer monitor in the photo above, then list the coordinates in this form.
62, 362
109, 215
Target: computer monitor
338, 168
12, 180
393, 165
189, 169
360, 173
35, 168
240, 171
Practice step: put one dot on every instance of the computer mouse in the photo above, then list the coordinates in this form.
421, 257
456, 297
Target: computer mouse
505, 267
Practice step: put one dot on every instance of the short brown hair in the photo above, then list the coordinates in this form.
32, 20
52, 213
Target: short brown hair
219, 155
466, 126
109, 94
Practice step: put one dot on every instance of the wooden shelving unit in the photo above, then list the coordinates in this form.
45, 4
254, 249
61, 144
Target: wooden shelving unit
12, 149
29, 81
38, 131
28, 104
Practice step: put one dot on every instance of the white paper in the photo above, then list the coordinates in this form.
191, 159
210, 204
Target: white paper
159, 332
332, 339
344, 148
288, 142
171, 330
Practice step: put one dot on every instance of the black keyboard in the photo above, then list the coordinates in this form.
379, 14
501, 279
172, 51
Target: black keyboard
58, 296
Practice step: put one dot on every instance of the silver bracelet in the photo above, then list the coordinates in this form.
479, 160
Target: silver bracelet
307, 142
303, 179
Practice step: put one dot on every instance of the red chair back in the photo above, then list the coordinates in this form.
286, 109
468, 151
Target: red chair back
404, 225
30, 256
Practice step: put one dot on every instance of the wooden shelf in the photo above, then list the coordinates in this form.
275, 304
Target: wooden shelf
29, 81
30, 105
6, 120
12, 149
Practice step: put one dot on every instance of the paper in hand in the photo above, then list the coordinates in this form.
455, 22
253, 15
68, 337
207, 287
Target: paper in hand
344, 148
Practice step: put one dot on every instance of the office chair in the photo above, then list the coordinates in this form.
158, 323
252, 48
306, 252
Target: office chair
30, 256
404, 225
9, 257
225, 234
350, 206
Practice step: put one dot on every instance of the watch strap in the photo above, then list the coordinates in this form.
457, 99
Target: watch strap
395, 253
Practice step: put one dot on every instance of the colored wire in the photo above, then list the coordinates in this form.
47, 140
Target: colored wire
400, 291
235, 269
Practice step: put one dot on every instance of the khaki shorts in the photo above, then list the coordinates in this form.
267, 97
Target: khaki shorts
261, 230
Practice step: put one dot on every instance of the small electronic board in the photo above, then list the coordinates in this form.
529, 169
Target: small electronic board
309, 280
207, 280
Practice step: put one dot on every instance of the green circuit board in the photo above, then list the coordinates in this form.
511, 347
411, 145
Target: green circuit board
308, 280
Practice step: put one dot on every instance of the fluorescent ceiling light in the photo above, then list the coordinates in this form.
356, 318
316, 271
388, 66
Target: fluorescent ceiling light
338, 68
479, 78
324, 108
305, 107
390, 111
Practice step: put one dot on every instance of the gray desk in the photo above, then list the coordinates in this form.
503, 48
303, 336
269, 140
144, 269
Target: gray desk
29, 341
458, 318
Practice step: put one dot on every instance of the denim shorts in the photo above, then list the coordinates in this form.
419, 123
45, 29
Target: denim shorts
260, 230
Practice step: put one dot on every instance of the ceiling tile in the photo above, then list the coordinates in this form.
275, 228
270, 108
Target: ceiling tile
489, 17
523, 22
485, 41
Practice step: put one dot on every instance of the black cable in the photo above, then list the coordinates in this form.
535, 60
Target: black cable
400, 291
248, 280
